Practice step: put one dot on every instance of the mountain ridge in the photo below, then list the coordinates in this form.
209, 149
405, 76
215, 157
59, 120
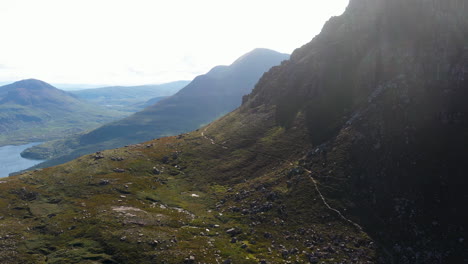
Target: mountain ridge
204, 99
32, 92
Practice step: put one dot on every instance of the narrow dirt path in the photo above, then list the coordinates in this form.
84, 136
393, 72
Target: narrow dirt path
292, 164
328, 205
205, 137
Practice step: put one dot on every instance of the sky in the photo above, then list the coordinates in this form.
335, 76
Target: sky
134, 42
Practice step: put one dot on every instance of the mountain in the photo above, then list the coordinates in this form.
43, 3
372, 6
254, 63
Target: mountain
206, 98
350, 152
381, 95
32, 110
129, 98
150, 102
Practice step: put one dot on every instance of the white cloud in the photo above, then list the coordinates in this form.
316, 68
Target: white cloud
147, 41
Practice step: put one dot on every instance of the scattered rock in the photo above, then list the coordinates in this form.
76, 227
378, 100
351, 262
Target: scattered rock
165, 160
98, 155
118, 170
104, 182
190, 260
313, 259
272, 196
26, 195
293, 251
295, 171
234, 231
156, 171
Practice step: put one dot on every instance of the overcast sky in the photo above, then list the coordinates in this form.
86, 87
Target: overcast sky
128, 42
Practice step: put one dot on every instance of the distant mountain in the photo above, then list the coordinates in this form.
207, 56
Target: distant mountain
206, 98
150, 102
129, 98
32, 110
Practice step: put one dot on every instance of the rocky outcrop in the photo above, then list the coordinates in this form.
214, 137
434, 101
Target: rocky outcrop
383, 91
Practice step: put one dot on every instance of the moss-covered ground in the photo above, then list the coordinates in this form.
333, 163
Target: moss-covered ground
231, 195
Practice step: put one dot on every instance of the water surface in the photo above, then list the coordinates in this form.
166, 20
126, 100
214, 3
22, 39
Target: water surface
11, 160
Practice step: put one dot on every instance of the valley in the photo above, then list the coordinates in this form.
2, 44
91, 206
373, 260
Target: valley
205, 99
349, 150
130, 98
32, 110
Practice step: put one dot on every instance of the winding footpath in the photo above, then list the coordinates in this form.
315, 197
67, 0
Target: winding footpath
207, 138
292, 164
327, 205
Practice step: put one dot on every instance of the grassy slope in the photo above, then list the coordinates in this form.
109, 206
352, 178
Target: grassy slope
84, 212
32, 110
52, 127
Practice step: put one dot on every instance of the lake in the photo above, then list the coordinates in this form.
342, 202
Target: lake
11, 160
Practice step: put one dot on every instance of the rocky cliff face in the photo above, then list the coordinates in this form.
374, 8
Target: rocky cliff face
383, 91
372, 44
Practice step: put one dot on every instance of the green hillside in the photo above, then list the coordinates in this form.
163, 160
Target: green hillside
32, 110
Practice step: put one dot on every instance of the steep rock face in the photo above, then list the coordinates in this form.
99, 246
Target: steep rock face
372, 44
383, 91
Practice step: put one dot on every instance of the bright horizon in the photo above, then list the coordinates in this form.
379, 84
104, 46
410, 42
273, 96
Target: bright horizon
123, 42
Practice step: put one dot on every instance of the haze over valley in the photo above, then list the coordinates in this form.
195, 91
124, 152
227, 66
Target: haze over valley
203, 100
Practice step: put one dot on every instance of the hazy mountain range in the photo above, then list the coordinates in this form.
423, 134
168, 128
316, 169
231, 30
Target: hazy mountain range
129, 98
203, 100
